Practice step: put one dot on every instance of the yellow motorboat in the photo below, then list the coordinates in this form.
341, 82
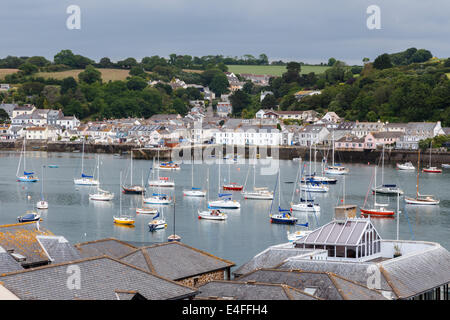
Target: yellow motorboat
124, 220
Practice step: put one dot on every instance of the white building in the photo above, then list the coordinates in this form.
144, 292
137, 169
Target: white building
249, 135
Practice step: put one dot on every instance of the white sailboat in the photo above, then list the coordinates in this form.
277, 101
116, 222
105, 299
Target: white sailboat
281, 216
315, 178
194, 192
386, 188
258, 193
42, 204
224, 201
406, 166
431, 169
335, 169
304, 205
158, 198
143, 209
211, 214
100, 194
27, 176
421, 199
163, 182
85, 180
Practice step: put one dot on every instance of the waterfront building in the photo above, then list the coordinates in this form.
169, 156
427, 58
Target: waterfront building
350, 142
354, 250
416, 131
362, 129
313, 134
375, 140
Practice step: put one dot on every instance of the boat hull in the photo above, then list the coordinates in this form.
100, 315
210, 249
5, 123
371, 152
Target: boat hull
387, 190
432, 170
208, 215
85, 182
101, 197
280, 220
194, 193
146, 211
233, 188
422, 202
42, 205
377, 212
257, 196
305, 207
26, 179
233, 204
123, 221
155, 225
133, 190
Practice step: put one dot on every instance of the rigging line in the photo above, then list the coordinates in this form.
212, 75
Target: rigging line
368, 190
409, 224
275, 190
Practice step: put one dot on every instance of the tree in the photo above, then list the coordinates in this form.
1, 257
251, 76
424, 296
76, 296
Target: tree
382, 62
269, 101
51, 94
137, 71
447, 63
331, 62
219, 84
67, 84
293, 72
4, 117
90, 75
127, 63
28, 68
105, 63
136, 83
38, 61
239, 100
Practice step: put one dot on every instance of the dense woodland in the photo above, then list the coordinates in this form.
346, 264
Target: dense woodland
399, 87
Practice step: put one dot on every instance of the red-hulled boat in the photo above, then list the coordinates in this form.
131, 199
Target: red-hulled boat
378, 211
233, 187
432, 170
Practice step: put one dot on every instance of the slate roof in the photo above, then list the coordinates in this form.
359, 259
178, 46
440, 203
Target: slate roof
21, 238
7, 262
110, 247
327, 286
175, 260
269, 258
58, 248
100, 279
413, 274
252, 291
355, 271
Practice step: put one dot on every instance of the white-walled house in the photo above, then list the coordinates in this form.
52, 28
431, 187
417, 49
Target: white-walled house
68, 122
249, 135
313, 134
416, 131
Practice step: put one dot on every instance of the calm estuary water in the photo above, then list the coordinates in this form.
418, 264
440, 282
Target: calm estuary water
246, 232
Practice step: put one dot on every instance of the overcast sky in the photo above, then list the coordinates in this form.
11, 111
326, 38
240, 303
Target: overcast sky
309, 31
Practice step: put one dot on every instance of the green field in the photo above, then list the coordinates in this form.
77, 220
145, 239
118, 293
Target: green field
273, 70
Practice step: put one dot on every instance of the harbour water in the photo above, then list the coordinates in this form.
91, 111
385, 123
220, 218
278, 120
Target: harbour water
246, 231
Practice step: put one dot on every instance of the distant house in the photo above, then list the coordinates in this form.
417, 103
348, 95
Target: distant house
350, 142
416, 131
375, 139
224, 109
68, 122
362, 129
257, 79
25, 109
331, 117
313, 135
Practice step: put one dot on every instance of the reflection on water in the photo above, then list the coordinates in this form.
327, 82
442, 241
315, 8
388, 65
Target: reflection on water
247, 230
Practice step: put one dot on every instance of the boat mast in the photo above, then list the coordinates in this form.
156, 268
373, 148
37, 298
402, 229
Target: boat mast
431, 146
310, 159
131, 178
24, 154
375, 191
120, 194
333, 148
343, 188
382, 170
418, 166
192, 173
82, 159
315, 159
398, 211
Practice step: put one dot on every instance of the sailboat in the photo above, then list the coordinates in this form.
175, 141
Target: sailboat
158, 198
378, 209
100, 194
27, 176
304, 205
335, 169
405, 166
232, 186
143, 209
283, 216
123, 219
85, 180
386, 188
170, 165
431, 169
224, 201
421, 199
132, 189
310, 185
163, 182
212, 214
258, 193
296, 235
194, 192
157, 224
42, 204
174, 237
315, 178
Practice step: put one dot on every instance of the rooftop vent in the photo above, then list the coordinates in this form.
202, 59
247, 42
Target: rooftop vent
18, 257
